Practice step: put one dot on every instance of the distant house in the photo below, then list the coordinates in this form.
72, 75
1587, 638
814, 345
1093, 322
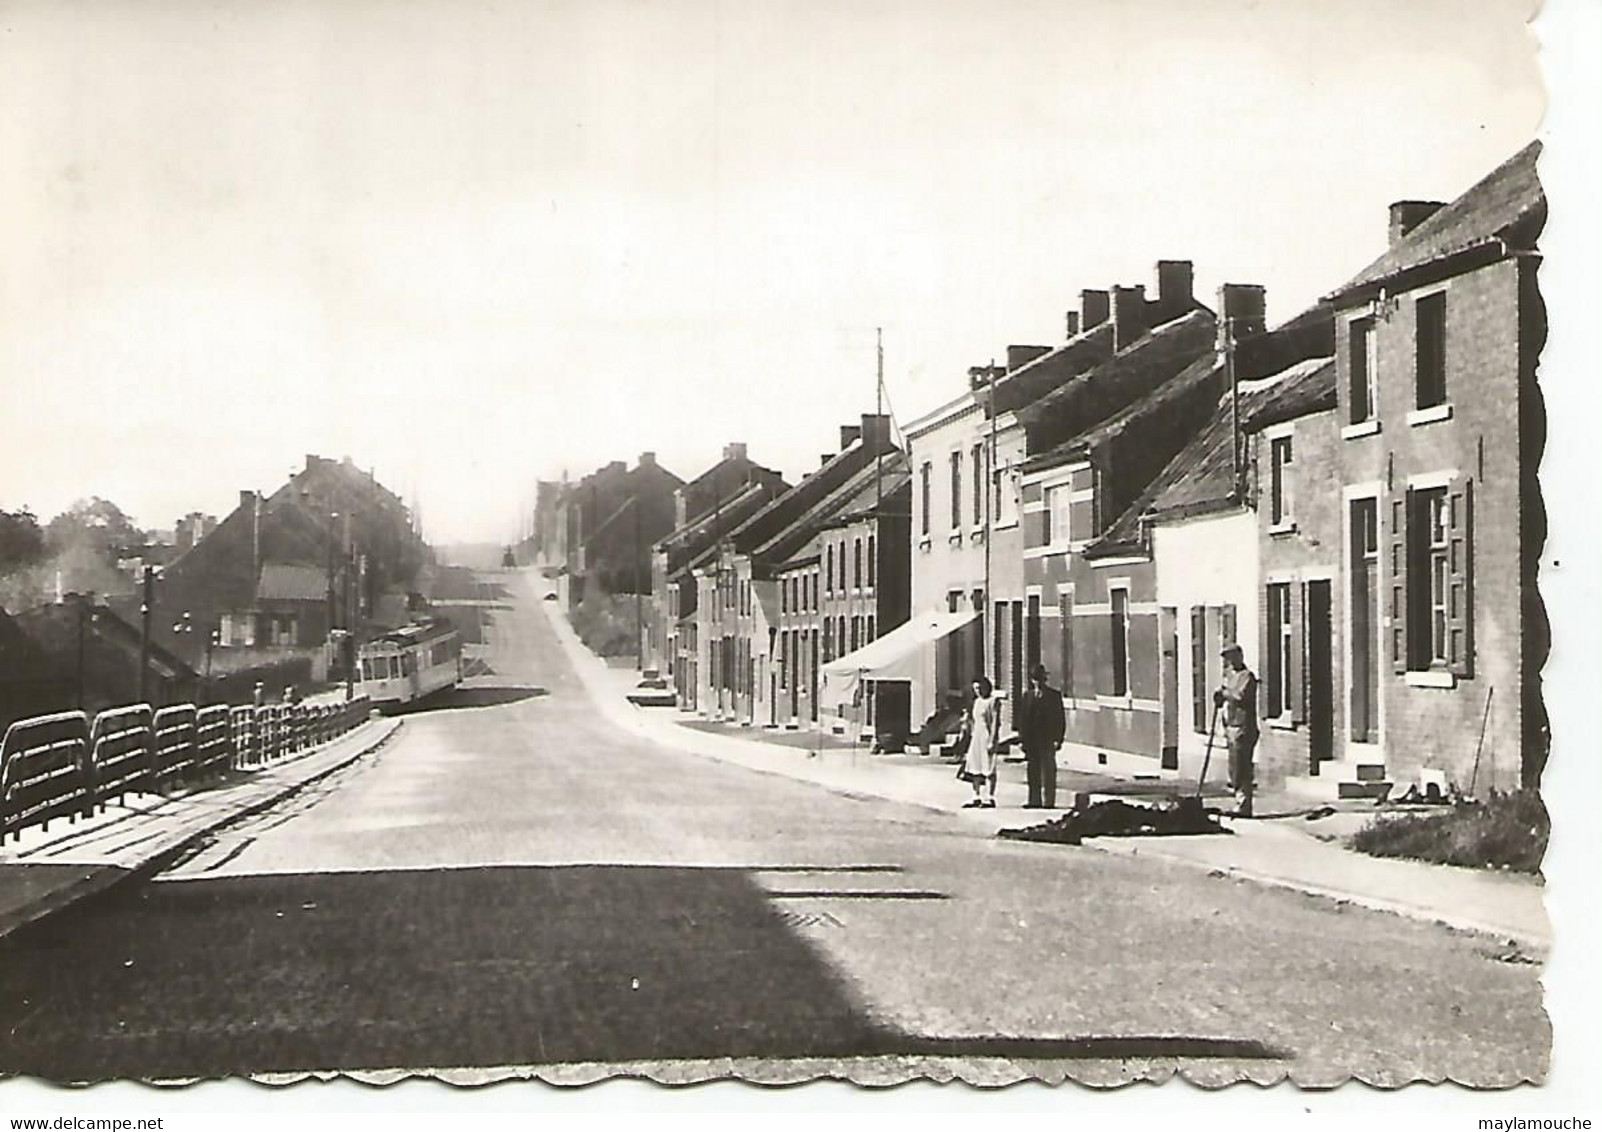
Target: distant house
89, 656
701, 518
732, 657
29, 683
608, 521
278, 573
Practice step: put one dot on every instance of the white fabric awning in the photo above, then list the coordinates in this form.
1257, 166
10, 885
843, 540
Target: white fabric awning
894, 656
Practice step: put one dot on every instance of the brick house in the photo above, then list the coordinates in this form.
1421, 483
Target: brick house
1440, 425
968, 459
848, 584
703, 509
727, 650
1114, 429
627, 514
280, 571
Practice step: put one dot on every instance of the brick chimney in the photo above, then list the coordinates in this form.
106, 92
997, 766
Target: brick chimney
1242, 310
647, 459
875, 430
247, 497
1094, 309
1072, 320
1176, 282
980, 376
734, 451
1020, 356
1405, 215
1128, 315
849, 435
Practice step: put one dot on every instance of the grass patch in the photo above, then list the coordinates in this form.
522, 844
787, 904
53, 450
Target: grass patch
1506, 831
605, 623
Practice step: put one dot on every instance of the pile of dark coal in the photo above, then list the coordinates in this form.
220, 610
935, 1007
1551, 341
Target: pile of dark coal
1115, 818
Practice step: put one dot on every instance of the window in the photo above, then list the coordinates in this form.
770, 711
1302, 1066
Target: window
1119, 629
956, 491
925, 478
1059, 515
1281, 652
1360, 371
814, 590
1431, 584
856, 563
1279, 502
828, 639
828, 577
872, 563
856, 633
1431, 349
978, 484
871, 634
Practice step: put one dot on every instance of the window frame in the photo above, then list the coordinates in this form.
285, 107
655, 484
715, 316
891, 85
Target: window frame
1429, 350
1362, 330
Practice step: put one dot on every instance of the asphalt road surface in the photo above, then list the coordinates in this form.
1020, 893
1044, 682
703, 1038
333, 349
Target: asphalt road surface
513, 882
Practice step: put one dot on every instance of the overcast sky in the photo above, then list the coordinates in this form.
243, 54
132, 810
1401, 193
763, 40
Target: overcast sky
473, 244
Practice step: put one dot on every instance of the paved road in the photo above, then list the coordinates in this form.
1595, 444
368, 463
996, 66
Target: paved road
514, 882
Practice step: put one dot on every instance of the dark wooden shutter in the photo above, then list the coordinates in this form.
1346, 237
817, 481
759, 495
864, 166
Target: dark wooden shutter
1297, 705
1198, 668
1460, 577
1065, 610
1226, 626
1401, 512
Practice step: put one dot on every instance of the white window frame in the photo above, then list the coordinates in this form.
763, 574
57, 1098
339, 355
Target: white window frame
1281, 497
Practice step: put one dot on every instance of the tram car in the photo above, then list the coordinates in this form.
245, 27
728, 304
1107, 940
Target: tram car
406, 664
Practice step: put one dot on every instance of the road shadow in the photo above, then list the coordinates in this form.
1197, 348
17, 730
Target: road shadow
454, 699
461, 967
476, 666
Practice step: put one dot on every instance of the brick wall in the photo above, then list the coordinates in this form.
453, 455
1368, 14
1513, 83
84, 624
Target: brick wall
1440, 726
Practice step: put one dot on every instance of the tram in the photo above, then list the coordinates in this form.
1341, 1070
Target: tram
406, 664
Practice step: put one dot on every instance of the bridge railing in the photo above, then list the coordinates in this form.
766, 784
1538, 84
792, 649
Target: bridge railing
62, 765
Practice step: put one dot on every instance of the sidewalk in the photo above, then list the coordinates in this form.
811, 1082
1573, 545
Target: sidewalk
142, 834
1288, 852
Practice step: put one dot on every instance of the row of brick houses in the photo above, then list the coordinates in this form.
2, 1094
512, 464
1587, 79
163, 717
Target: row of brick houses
1350, 495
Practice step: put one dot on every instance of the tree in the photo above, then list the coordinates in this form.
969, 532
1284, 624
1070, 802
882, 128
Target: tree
98, 525
22, 543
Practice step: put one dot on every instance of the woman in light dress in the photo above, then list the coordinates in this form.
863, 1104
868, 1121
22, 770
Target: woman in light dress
983, 726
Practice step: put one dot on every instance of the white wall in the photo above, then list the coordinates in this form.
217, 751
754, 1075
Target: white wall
1208, 561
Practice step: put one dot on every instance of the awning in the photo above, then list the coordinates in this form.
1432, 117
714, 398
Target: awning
894, 656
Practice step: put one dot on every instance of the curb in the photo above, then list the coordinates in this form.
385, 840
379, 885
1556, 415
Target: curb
1112, 848
102, 878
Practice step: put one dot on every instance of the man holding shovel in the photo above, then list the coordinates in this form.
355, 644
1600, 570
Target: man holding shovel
1236, 697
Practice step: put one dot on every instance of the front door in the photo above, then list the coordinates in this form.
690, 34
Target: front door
1168, 635
1320, 675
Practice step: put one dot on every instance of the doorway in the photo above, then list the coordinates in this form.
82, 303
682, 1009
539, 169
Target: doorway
1168, 630
1320, 675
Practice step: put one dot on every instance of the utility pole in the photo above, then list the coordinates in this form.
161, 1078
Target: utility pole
146, 602
639, 643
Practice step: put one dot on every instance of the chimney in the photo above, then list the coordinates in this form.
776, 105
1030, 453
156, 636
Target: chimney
246, 498
1020, 356
734, 451
824, 459
980, 376
1128, 315
1242, 310
1072, 319
1093, 308
647, 459
849, 435
875, 430
1405, 215
1176, 280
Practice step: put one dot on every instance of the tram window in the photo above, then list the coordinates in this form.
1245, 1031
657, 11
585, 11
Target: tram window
408, 663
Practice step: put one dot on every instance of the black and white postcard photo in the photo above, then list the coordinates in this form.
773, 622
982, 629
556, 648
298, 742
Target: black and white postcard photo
839, 545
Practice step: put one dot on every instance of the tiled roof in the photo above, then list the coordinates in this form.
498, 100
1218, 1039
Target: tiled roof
1508, 203
1202, 476
1092, 397
283, 581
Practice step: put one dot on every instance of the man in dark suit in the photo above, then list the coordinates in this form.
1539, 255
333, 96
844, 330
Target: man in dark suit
1041, 727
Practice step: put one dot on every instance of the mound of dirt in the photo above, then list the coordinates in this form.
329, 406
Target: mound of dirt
1115, 818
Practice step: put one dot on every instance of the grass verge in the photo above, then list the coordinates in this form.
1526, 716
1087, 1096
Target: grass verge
605, 623
1506, 831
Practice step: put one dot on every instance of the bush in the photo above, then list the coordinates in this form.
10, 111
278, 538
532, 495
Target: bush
1506, 831
605, 623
